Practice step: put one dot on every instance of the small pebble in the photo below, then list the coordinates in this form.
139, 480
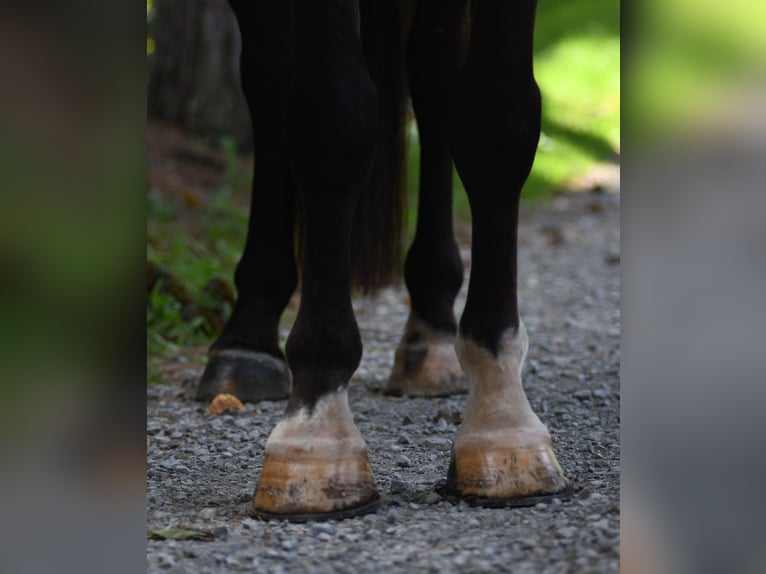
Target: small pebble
250, 524
397, 486
221, 532
566, 532
326, 527
432, 498
165, 560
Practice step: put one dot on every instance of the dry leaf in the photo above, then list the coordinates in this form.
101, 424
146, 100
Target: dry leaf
223, 402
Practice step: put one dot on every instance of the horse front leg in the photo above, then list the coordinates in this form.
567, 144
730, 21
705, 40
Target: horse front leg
316, 460
502, 449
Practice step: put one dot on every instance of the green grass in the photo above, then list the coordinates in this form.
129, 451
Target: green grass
193, 256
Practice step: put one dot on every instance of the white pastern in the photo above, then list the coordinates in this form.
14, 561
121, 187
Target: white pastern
498, 408
329, 427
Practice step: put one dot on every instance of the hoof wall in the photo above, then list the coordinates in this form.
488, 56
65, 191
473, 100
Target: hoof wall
494, 474
426, 370
249, 376
299, 487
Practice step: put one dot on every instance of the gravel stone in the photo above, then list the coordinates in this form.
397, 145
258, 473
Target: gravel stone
325, 527
202, 469
221, 532
165, 560
432, 498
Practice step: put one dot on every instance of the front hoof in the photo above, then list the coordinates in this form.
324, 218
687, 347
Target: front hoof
248, 375
425, 369
316, 466
496, 472
299, 488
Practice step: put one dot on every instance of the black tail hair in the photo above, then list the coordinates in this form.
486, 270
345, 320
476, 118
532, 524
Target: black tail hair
376, 245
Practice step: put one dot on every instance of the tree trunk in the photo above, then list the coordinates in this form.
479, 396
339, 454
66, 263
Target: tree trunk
194, 70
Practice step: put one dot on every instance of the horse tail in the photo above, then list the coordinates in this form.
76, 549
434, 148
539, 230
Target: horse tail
376, 247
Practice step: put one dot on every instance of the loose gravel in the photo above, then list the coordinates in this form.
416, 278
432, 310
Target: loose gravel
202, 468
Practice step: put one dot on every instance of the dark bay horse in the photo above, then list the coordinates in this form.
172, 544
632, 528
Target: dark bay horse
323, 83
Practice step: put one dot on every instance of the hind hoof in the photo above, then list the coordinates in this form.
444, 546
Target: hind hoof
249, 376
426, 370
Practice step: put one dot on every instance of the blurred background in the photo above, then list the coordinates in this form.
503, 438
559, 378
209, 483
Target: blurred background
693, 279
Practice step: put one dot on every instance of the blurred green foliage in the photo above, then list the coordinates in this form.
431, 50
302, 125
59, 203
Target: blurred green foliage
577, 65
193, 257
690, 56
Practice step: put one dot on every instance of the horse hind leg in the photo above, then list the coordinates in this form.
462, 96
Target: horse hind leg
246, 360
316, 461
425, 363
502, 450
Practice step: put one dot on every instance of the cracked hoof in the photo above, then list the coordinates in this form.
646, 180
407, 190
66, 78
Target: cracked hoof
249, 376
425, 369
316, 466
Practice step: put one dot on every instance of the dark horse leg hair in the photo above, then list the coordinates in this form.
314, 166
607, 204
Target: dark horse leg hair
332, 132
246, 359
425, 363
495, 130
433, 270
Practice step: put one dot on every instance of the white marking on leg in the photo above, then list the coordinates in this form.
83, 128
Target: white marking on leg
498, 408
329, 428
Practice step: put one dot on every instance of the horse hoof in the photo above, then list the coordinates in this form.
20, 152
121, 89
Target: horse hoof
495, 471
299, 488
316, 466
248, 375
426, 369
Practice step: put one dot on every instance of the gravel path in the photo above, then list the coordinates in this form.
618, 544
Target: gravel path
202, 468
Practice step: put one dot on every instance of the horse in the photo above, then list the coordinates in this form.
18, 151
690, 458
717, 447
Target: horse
325, 84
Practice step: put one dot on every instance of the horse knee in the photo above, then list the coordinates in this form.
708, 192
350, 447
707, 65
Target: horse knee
494, 131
